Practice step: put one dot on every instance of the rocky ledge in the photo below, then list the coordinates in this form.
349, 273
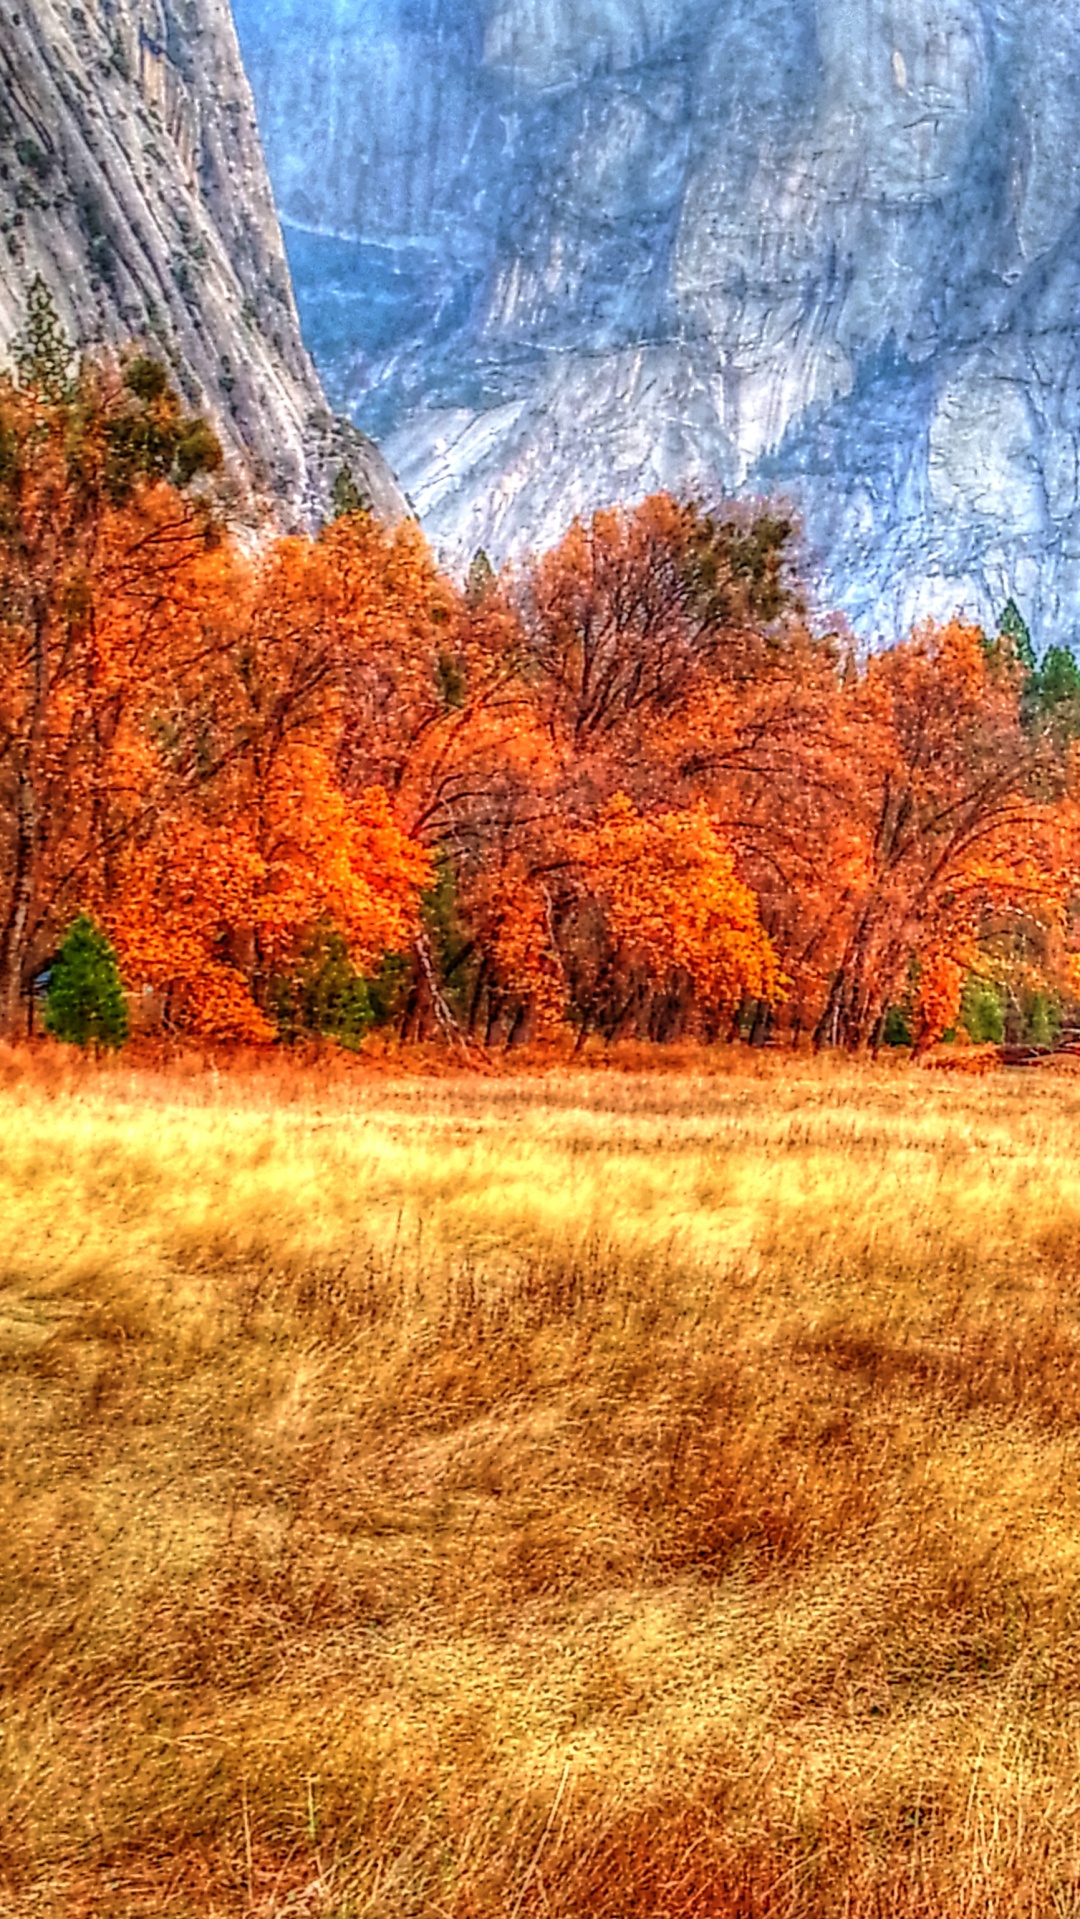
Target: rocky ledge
133, 181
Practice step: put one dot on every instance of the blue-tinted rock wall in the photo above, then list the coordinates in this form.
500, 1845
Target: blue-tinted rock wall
582, 248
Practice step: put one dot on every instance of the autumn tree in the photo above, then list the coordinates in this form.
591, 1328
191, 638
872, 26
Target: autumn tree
648, 641
217, 912
440, 711
97, 532
172, 712
260, 845
633, 611
949, 828
676, 939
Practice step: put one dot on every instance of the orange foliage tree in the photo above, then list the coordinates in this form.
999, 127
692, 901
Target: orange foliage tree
261, 844
675, 931
624, 789
949, 821
210, 917
172, 710
633, 639
96, 542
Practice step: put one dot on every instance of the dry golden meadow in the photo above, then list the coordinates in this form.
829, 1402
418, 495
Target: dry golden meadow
599, 1493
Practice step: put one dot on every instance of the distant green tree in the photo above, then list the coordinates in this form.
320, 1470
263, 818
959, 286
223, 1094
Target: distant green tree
44, 356
86, 1004
481, 578
326, 997
347, 497
896, 1028
1014, 628
145, 434
452, 946
1040, 1017
154, 439
1058, 677
982, 1014
1051, 698
739, 564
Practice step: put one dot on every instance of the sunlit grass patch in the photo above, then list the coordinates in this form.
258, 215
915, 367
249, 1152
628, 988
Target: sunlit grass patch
575, 1494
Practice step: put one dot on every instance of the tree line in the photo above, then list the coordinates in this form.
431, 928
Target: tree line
306, 784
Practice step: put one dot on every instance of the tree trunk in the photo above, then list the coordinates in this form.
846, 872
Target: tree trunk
14, 939
762, 1023
444, 1018
827, 1030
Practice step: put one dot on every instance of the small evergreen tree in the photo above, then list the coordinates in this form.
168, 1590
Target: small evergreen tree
347, 497
1040, 1016
982, 1014
42, 352
150, 437
86, 1004
1013, 627
1051, 701
481, 577
1058, 678
326, 996
896, 1027
453, 948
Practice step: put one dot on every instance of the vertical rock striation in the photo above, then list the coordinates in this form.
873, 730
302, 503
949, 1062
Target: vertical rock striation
585, 247
132, 180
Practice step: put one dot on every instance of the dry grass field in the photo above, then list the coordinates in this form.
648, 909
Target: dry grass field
581, 1494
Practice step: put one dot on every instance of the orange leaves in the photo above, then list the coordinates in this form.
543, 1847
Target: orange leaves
952, 660
178, 920
206, 913
524, 951
255, 842
929, 828
331, 858
654, 799
611, 621
937, 1001
95, 565
673, 902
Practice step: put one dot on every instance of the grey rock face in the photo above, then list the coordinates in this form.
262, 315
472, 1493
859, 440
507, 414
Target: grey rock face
567, 250
133, 181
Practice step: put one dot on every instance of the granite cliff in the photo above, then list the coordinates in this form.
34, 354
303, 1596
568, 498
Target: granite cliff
566, 250
132, 180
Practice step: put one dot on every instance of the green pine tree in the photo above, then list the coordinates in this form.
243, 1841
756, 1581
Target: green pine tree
1059, 677
896, 1027
86, 1004
982, 1014
481, 577
1013, 627
42, 352
1051, 698
347, 497
326, 995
